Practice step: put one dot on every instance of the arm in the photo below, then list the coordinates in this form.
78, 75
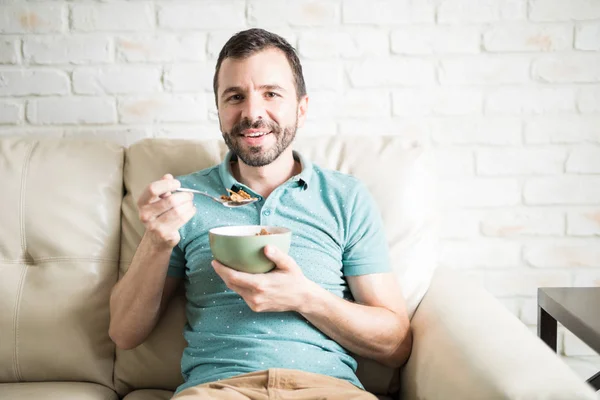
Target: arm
139, 298
376, 326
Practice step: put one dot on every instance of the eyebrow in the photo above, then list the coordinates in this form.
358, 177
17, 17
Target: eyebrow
238, 89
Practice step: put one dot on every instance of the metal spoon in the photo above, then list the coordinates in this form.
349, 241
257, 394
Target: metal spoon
226, 203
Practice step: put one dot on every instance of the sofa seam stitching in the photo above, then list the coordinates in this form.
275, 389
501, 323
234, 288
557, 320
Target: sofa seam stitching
22, 199
16, 368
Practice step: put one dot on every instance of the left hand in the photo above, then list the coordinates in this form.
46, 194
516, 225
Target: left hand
284, 288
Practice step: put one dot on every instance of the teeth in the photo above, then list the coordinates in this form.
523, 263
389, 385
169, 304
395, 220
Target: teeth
256, 134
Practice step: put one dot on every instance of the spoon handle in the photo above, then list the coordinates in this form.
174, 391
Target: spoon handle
197, 192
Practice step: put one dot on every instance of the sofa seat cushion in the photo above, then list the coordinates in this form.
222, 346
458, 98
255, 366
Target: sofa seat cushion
150, 394
56, 391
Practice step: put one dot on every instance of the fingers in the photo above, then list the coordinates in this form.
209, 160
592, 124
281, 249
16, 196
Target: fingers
281, 260
154, 191
152, 211
174, 218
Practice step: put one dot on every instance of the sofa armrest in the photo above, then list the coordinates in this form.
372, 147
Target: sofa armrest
468, 346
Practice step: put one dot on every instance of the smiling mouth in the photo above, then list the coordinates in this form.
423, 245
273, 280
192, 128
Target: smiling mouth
255, 134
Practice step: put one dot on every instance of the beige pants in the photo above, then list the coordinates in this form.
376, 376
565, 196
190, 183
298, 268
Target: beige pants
276, 384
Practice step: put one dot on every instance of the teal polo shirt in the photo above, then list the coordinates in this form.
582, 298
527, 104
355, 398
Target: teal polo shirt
336, 232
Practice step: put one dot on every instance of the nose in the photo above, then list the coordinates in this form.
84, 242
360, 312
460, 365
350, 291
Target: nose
253, 108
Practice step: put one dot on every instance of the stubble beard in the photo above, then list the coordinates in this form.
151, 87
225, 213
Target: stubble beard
258, 156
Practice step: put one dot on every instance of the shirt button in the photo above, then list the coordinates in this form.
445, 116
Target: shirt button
266, 212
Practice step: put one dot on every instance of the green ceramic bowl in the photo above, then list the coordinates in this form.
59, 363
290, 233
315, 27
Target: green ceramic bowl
240, 248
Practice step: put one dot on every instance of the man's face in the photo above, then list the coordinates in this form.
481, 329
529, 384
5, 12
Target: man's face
258, 107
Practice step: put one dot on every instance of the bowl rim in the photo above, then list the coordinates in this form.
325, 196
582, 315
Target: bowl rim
274, 230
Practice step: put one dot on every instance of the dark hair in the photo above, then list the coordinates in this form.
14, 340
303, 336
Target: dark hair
246, 43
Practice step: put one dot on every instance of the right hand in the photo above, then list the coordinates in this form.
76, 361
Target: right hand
163, 212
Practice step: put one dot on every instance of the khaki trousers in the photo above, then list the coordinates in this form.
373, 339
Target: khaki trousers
276, 384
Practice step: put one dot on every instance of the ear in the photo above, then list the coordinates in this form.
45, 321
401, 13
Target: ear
302, 109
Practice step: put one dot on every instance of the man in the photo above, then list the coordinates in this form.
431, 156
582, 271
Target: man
288, 332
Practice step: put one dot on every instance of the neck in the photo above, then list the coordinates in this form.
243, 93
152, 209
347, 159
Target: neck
263, 180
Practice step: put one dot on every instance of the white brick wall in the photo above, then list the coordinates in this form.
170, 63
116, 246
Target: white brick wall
506, 91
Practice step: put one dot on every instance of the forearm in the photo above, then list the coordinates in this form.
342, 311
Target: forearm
372, 332
136, 299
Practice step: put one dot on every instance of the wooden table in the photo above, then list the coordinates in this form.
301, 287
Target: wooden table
578, 310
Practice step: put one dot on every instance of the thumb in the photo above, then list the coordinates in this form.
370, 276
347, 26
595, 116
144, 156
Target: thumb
277, 256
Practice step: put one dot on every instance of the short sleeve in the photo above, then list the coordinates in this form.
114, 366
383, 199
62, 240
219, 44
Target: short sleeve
176, 263
365, 249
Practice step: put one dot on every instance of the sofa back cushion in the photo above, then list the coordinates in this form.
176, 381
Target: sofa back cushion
59, 251
398, 174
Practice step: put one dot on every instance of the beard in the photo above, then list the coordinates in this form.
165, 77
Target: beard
258, 156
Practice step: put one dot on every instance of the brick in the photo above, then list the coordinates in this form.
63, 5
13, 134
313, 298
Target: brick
117, 80
472, 130
520, 222
454, 162
71, 110
552, 10
217, 39
33, 82
208, 14
473, 192
565, 130
196, 131
437, 101
530, 100
76, 49
563, 254
10, 51
323, 75
523, 282
334, 44
468, 11
318, 128
571, 68
116, 16
353, 104
385, 73
297, 13
519, 161
562, 190
11, 113
588, 100
528, 38
476, 253
587, 36
587, 278
161, 48
165, 108
459, 224
189, 77
529, 312
387, 12
484, 70
584, 222
121, 135
33, 18
573, 346
435, 40
417, 129
584, 160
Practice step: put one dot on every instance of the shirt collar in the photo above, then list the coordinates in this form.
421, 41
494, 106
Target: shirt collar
303, 178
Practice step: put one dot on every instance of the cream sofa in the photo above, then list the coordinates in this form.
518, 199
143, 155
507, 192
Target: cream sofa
69, 228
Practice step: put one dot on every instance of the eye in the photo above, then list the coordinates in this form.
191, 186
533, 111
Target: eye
235, 98
271, 95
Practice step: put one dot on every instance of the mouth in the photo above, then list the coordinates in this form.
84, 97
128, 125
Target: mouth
254, 133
